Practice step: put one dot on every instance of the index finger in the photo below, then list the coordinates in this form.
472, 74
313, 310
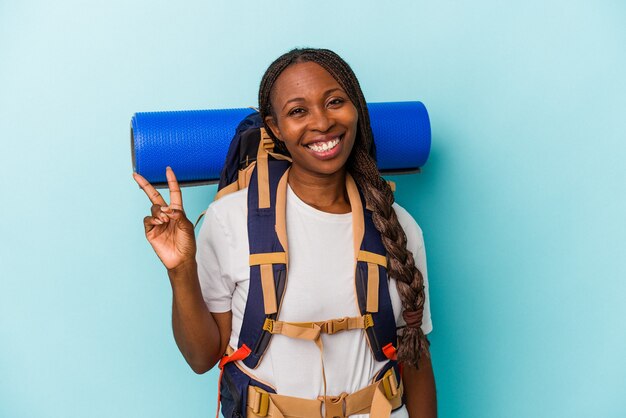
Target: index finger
176, 197
152, 193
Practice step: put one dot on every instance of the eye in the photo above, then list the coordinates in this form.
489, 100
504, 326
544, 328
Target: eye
336, 102
296, 111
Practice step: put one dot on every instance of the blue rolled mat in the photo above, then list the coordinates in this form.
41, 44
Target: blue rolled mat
195, 142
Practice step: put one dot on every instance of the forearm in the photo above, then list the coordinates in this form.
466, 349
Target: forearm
419, 388
195, 330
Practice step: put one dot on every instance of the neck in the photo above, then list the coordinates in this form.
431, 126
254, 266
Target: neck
325, 193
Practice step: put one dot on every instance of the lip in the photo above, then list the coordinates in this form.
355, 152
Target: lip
329, 154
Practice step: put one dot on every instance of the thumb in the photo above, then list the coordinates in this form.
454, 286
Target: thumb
174, 214
171, 212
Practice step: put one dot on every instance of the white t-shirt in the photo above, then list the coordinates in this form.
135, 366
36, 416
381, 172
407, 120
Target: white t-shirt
320, 286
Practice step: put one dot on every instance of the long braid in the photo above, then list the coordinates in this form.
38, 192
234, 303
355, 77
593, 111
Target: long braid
378, 195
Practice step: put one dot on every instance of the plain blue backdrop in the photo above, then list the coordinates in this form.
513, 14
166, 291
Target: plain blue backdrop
522, 202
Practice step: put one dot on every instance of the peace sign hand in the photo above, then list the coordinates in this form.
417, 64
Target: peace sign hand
168, 230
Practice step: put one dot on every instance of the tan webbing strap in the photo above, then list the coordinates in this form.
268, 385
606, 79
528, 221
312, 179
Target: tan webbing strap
369, 257
374, 399
265, 261
381, 407
373, 260
266, 141
269, 289
366, 401
268, 258
295, 330
311, 330
334, 406
243, 180
281, 210
263, 175
334, 326
232, 187
373, 281
358, 223
280, 406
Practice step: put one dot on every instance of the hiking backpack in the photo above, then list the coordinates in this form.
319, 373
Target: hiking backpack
251, 162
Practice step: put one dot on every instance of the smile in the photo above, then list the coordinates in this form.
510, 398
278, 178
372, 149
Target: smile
326, 146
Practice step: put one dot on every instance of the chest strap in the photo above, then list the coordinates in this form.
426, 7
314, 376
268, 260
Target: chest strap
377, 399
312, 330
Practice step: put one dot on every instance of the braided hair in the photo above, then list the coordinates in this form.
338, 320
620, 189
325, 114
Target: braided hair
378, 195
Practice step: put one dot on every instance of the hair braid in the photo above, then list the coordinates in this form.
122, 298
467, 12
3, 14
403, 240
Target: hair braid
378, 195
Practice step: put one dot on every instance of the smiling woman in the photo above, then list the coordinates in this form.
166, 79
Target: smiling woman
339, 335
315, 119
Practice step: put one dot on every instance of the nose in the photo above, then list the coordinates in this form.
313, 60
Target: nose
321, 120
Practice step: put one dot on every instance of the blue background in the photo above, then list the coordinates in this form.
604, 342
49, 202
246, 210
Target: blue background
522, 201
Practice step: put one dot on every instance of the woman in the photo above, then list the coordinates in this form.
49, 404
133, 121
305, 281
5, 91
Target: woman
314, 110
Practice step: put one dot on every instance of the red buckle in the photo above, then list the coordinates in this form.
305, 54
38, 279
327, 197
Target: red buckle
241, 353
390, 352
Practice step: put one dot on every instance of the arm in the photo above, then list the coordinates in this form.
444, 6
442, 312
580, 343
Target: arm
419, 389
201, 337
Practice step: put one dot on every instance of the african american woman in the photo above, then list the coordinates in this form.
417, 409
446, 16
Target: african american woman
314, 111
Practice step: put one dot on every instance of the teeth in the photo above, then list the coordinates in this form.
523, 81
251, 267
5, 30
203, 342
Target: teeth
324, 146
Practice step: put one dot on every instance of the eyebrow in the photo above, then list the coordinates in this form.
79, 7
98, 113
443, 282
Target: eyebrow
301, 99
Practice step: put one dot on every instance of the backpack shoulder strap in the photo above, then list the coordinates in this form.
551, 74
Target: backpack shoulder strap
371, 281
265, 149
267, 240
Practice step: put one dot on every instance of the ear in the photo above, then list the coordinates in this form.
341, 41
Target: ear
270, 122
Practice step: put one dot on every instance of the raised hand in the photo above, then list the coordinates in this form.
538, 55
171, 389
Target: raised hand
168, 230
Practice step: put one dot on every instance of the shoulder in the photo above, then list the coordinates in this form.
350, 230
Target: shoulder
226, 218
415, 237
229, 208
230, 201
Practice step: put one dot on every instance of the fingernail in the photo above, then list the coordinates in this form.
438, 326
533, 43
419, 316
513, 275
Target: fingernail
168, 168
160, 222
165, 208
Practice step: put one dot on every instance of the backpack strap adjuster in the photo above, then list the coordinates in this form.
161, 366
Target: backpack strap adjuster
266, 141
390, 384
268, 325
260, 402
337, 325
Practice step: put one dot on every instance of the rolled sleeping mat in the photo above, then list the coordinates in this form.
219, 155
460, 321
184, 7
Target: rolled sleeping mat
195, 142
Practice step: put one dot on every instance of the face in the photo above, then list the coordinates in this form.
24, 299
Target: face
314, 117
